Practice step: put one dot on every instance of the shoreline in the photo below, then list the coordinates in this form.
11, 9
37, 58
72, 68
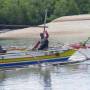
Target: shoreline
66, 30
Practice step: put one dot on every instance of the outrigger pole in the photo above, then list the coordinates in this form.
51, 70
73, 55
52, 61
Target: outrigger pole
86, 41
82, 52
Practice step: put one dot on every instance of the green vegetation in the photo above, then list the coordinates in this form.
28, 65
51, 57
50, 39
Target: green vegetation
31, 12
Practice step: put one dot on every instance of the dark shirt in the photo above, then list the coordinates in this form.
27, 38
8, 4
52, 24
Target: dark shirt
43, 44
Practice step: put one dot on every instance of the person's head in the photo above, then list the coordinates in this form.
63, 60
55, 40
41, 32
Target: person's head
41, 35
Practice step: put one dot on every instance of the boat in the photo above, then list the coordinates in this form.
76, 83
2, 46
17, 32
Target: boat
21, 56
15, 58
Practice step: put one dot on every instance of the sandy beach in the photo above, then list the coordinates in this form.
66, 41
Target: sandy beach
69, 27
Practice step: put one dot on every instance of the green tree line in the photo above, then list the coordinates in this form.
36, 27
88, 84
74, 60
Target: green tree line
31, 12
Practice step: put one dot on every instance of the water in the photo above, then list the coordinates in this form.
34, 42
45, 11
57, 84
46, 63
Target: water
65, 77
68, 77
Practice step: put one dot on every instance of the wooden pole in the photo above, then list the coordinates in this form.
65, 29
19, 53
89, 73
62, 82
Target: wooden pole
45, 19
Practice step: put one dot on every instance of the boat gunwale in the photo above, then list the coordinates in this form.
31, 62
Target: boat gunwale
63, 59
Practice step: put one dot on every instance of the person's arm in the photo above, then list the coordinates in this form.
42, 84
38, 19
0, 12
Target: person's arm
37, 44
46, 34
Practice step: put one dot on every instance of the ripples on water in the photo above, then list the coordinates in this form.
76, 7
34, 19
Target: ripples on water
66, 77
29, 42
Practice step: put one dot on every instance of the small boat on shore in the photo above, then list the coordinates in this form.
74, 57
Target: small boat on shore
15, 58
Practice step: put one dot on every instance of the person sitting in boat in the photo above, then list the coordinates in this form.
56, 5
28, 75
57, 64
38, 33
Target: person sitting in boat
43, 43
2, 50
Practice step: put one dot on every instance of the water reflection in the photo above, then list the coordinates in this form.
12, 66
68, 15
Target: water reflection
65, 77
46, 78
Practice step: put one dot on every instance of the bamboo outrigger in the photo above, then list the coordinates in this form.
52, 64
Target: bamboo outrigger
16, 58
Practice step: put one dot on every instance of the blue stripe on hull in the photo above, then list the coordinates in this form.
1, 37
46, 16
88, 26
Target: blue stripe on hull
65, 59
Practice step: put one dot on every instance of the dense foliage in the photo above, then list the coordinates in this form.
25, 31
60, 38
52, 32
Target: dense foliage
31, 12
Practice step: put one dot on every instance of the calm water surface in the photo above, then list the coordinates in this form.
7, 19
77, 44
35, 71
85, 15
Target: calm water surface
69, 77
66, 77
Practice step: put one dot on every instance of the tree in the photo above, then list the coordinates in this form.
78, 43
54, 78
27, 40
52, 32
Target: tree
84, 6
60, 8
32, 12
72, 8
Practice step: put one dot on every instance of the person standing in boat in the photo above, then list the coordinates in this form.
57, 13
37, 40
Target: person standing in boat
43, 43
